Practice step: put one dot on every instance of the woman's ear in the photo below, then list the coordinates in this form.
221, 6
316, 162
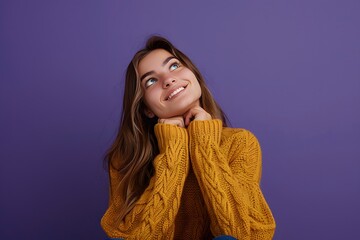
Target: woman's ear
149, 113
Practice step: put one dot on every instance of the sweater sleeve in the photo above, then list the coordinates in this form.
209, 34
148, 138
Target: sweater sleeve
229, 174
153, 215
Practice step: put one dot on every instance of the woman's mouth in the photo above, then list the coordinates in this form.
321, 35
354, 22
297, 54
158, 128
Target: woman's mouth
175, 92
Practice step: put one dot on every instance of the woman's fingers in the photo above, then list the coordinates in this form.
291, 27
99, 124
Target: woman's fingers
196, 113
178, 121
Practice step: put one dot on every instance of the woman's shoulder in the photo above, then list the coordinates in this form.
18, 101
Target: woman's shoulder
239, 135
229, 132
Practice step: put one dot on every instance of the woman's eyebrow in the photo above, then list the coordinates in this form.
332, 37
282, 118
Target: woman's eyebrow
167, 60
151, 72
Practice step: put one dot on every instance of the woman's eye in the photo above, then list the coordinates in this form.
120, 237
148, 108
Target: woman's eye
150, 82
174, 66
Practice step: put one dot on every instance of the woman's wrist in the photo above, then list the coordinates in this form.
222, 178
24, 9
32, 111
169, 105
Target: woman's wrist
201, 131
167, 134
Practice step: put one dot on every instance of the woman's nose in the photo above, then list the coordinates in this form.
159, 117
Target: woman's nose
168, 82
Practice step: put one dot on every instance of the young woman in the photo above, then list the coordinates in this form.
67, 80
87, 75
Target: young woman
176, 171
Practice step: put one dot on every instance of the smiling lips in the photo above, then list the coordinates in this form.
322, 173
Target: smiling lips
175, 92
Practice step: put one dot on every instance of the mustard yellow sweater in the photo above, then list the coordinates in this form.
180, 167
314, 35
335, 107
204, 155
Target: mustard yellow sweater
206, 183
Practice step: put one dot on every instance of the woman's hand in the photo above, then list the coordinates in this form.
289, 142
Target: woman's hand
178, 121
196, 113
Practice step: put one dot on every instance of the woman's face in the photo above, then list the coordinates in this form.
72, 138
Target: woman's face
170, 89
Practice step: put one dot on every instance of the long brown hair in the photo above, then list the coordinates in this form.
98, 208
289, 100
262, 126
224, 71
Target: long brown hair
135, 146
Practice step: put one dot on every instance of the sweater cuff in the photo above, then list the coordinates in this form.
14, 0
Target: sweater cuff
203, 130
170, 134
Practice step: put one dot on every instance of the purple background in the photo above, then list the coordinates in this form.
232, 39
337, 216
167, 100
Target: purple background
286, 70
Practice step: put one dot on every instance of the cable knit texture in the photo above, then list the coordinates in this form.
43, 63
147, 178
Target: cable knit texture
206, 184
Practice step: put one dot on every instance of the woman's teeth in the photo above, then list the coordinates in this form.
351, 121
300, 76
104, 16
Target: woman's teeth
175, 92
